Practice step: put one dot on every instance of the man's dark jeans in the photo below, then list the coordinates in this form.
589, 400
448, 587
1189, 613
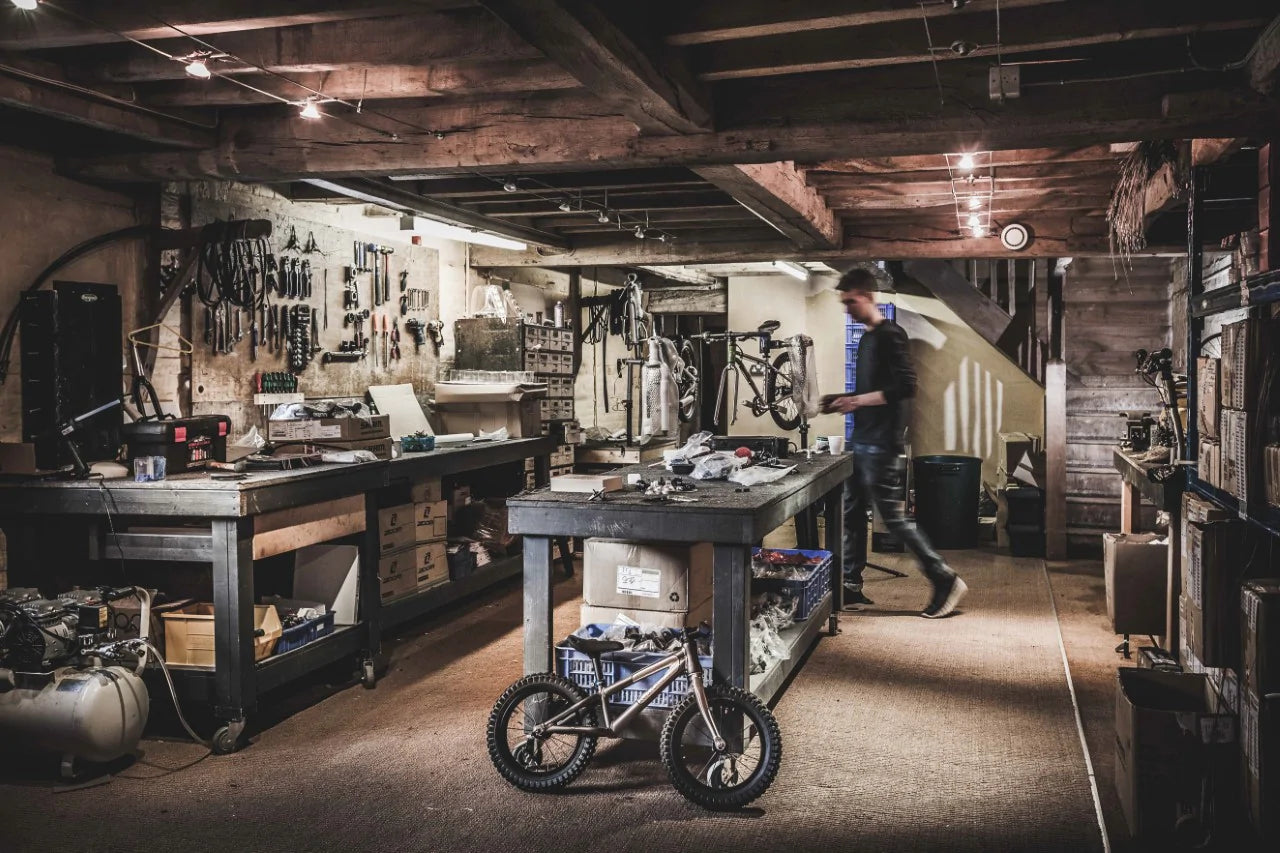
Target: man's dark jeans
877, 479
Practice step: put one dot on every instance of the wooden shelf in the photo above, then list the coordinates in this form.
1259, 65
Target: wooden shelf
1260, 289
799, 637
1266, 516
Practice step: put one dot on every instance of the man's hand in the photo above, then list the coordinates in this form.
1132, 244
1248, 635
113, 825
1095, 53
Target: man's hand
846, 403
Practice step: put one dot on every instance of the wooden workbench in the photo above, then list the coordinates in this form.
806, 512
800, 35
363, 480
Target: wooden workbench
733, 521
233, 522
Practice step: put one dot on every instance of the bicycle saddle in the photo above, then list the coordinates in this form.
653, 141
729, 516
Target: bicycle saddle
768, 327
594, 647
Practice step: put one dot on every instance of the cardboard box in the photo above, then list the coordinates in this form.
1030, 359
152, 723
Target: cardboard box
430, 564
1209, 463
1020, 459
1215, 563
622, 574
1197, 510
398, 573
18, 457
591, 614
381, 447
1158, 716
1234, 427
520, 418
427, 491
330, 429
329, 574
1136, 567
396, 528
1271, 473
188, 634
431, 521
1244, 345
1260, 763
1260, 637
1207, 402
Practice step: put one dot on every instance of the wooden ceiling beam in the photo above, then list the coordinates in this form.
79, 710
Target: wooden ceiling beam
418, 39
379, 83
640, 206
937, 162
41, 87
1264, 59
122, 21
620, 179
1026, 30
777, 193
653, 90
572, 133
1043, 174
702, 23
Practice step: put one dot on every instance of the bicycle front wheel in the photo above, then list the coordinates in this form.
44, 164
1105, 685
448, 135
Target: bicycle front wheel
728, 778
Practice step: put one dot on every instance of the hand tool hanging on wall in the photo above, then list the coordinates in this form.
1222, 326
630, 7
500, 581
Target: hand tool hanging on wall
292, 244
325, 296
311, 246
386, 252
395, 339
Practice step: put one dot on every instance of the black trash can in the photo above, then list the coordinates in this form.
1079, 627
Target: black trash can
1025, 522
947, 489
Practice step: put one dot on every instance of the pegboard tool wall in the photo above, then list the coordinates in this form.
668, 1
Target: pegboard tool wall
223, 383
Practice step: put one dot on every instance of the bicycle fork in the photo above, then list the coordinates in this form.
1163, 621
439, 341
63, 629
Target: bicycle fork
698, 685
722, 393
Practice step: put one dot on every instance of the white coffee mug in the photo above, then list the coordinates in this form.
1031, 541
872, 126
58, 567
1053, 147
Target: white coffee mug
836, 443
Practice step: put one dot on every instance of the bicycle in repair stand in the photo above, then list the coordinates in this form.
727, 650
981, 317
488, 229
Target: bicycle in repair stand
720, 745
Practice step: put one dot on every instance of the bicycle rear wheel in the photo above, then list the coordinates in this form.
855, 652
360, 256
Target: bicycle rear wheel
532, 763
688, 383
734, 776
778, 387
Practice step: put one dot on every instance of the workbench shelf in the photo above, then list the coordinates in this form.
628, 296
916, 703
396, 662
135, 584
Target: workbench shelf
799, 638
415, 605
1266, 517
1262, 289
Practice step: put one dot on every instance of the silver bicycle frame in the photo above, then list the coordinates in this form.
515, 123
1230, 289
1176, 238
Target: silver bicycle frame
676, 664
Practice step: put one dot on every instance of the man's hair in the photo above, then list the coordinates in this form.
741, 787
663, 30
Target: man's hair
858, 279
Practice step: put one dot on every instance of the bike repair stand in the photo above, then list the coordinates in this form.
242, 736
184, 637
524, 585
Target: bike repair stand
807, 521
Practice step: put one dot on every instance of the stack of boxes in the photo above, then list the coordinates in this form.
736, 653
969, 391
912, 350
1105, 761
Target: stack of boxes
1260, 703
411, 543
1213, 562
658, 584
1208, 384
1268, 205
353, 433
1246, 349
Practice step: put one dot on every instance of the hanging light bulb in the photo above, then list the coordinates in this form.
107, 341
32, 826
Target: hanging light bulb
566, 206
603, 218
198, 69
974, 220
966, 163
27, 5
640, 232
974, 202
662, 238
309, 109
510, 185
978, 231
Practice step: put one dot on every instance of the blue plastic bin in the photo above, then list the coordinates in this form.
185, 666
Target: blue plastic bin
809, 590
616, 666
299, 635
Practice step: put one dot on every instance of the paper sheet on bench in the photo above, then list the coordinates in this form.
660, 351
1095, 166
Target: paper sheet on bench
400, 404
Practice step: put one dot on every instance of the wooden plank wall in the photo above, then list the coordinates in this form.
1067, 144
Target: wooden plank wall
1109, 313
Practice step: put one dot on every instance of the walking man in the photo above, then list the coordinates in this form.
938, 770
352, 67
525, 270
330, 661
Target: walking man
885, 383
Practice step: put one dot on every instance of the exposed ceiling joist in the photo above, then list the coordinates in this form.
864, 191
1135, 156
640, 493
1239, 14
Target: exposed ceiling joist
1264, 59
569, 133
397, 198
777, 193
683, 274
419, 39
595, 182
1026, 30
701, 23
1018, 157
385, 82
120, 21
41, 87
652, 89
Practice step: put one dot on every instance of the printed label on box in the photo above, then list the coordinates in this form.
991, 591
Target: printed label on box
637, 580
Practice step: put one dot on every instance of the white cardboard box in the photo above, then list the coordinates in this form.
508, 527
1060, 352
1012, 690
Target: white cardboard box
329, 574
621, 574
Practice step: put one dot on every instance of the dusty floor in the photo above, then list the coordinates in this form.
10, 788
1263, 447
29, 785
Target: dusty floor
899, 734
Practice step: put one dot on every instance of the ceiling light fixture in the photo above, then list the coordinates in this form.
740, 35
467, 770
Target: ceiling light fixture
792, 269
974, 202
197, 68
309, 109
640, 232
510, 185
966, 163
974, 220
979, 231
435, 228
27, 5
566, 206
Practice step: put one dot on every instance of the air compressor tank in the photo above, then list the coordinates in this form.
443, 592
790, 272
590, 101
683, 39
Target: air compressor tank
95, 714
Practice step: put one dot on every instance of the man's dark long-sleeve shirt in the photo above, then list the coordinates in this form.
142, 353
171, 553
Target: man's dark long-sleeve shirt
884, 364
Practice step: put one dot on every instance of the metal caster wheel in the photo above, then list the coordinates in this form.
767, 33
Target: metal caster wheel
226, 740
368, 677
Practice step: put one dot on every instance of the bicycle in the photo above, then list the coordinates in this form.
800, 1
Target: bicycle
779, 376
720, 745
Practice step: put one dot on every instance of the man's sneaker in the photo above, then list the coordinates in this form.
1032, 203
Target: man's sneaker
945, 598
854, 599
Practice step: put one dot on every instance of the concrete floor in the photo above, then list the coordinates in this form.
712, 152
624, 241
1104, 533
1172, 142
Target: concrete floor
900, 733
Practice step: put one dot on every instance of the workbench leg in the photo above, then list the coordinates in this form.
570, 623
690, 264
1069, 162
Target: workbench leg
835, 544
806, 522
370, 602
1171, 639
537, 605
235, 692
731, 614
1130, 508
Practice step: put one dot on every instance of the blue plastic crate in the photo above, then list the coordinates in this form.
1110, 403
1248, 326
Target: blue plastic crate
809, 590
616, 666
299, 635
